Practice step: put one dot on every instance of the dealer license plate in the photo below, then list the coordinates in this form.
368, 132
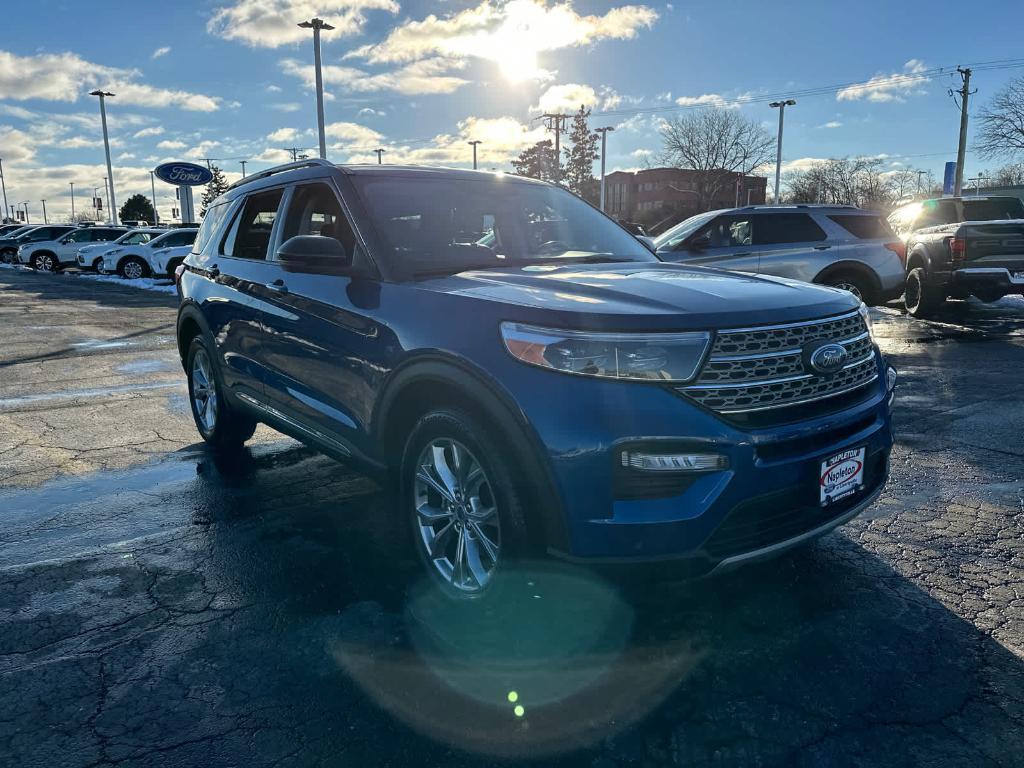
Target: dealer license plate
841, 475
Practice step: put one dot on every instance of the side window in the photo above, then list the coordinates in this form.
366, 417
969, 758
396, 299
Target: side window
78, 236
249, 236
211, 225
314, 210
778, 228
178, 239
104, 235
729, 231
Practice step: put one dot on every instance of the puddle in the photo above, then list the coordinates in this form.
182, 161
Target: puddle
101, 344
145, 366
9, 403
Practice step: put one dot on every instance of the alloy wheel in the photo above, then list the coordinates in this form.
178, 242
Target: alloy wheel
46, 263
132, 270
204, 391
845, 285
456, 516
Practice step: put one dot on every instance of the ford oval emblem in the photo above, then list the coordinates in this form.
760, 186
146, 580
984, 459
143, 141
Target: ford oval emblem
828, 358
183, 174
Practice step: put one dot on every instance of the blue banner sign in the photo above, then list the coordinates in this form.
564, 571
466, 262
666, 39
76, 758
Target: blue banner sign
183, 174
949, 179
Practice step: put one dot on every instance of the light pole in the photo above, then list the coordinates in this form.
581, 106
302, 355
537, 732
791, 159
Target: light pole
379, 153
106, 145
316, 25
781, 106
72, 201
45, 220
474, 143
604, 144
106, 194
95, 197
242, 163
152, 192
4, 185
25, 206
919, 175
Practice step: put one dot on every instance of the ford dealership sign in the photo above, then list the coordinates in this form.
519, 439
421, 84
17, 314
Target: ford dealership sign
183, 174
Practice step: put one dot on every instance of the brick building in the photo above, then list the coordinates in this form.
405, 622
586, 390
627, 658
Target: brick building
664, 196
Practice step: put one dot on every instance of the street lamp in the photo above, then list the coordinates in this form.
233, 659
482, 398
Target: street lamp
473, 143
604, 144
24, 205
781, 106
152, 193
380, 153
106, 145
45, 220
242, 163
316, 25
72, 201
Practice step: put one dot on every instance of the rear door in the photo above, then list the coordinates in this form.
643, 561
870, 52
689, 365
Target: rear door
235, 264
321, 333
730, 244
790, 244
67, 246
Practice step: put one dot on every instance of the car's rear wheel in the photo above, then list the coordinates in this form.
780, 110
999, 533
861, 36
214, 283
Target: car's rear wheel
133, 268
855, 283
920, 298
45, 262
464, 508
7, 256
219, 424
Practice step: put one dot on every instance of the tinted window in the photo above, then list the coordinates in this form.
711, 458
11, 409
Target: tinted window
728, 231
314, 210
136, 238
673, 239
444, 223
211, 224
777, 228
104, 235
936, 212
79, 236
176, 239
249, 236
993, 209
864, 227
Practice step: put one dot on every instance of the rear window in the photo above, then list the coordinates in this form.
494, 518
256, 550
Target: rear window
993, 209
864, 227
776, 228
211, 223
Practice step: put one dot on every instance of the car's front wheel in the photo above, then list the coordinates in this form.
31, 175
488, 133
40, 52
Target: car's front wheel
219, 424
133, 268
6, 256
853, 282
464, 505
45, 262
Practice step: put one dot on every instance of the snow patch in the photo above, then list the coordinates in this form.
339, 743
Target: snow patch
159, 285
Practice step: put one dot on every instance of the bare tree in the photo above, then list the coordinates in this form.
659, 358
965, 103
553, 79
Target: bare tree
1009, 175
1002, 122
858, 181
717, 143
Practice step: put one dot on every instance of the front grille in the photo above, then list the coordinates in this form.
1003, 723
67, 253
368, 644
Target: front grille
754, 369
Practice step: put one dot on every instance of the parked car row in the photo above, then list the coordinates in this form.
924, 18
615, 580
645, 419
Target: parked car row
131, 253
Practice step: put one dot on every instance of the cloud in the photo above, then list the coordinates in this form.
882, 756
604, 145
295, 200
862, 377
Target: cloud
154, 130
126, 156
165, 144
892, 87
567, 97
273, 89
161, 51
429, 76
202, 150
283, 134
67, 77
712, 100
289, 106
510, 34
273, 23
831, 124
371, 112
352, 132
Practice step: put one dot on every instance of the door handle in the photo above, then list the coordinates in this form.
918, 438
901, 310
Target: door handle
822, 247
214, 272
278, 285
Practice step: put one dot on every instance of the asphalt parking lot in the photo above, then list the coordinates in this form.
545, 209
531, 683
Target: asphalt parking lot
160, 608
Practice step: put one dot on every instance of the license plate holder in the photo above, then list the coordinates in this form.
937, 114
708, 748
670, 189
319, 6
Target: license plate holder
841, 476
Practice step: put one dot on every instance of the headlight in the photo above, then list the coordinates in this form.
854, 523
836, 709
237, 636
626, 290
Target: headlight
663, 357
866, 317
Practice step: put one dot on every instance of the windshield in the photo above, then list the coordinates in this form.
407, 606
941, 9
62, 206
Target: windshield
432, 225
993, 208
683, 230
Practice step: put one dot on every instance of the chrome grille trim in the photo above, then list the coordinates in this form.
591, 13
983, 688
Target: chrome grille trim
734, 379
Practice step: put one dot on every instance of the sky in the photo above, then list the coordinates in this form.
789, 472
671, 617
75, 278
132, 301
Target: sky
233, 80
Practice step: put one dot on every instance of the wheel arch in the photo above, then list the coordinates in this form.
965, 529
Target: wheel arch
437, 380
191, 323
133, 257
851, 266
918, 257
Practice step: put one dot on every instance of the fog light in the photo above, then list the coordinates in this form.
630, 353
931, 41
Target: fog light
674, 462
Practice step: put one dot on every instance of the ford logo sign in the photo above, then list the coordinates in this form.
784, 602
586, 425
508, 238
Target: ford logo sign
183, 174
828, 358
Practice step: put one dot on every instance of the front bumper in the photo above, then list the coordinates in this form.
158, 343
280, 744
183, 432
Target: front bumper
766, 500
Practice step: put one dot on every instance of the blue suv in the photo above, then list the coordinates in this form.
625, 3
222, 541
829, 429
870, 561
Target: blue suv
525, 374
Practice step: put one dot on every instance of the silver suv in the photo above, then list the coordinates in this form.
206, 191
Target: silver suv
836, 245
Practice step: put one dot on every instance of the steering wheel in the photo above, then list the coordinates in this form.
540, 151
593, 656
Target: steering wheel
553, 246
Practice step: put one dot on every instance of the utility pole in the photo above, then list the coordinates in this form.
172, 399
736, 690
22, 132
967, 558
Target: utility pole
295, 152
242, 163
474, 143
556, 122
316, 25
961, 149
152, 190
72, 201
604, 151
45, 220
781, 106
379, 153
106, 145
919, 175
4, 185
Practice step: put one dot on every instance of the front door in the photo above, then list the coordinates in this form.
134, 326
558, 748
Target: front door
729, 244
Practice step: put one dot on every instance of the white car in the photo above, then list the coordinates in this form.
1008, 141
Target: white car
134, 261
91, 256
52, 255
166, 260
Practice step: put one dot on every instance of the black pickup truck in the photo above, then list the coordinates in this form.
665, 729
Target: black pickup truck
960, 247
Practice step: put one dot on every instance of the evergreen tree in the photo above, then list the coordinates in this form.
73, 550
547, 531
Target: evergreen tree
580, 156
537, 162
136, 208
218, 186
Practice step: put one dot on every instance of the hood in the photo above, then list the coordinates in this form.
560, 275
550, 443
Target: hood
650, 294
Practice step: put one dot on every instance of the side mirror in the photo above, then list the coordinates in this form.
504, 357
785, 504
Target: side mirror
313, 253
699, 243
648, 241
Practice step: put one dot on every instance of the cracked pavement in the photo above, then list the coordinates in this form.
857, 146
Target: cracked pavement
161, 607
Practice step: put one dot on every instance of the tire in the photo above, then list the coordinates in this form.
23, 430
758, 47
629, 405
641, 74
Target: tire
7, 256
173, 265
857, 284
218, 423
45, 262
920, 298
478, 510
97, 264
132, 268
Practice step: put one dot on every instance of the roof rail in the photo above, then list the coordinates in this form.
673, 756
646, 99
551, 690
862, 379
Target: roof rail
309, 163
